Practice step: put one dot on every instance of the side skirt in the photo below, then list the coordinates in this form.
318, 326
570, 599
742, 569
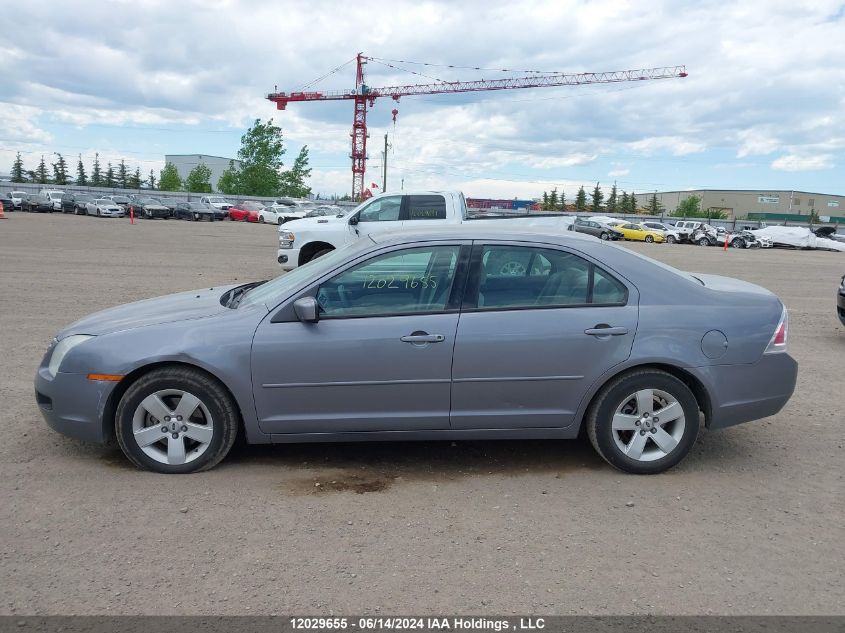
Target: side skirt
445, 434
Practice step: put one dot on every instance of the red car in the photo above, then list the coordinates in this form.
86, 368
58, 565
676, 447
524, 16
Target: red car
245, 211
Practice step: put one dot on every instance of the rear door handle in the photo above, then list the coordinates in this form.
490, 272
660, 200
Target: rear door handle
423, 338
606, 330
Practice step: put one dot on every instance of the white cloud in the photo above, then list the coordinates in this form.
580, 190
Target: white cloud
676, 145
615, 173
794, 162
756, 142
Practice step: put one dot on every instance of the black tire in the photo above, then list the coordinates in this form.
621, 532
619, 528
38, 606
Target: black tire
600, 415
670, 239
704, 242
261, 219
320, 253
649, 239
738, 243
212, 394
604, 236
196, 217
280, 221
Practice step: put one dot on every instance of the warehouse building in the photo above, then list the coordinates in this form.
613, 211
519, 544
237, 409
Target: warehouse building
754, 203
186, 162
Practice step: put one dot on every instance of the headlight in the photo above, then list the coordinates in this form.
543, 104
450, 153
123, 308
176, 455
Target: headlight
286, 239
62, 348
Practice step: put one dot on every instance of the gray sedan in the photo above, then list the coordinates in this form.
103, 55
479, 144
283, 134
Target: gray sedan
474, 333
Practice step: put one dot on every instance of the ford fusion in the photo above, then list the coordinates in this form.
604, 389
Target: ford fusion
451, 334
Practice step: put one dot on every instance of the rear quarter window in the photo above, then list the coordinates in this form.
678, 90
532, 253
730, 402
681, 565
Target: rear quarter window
426, 208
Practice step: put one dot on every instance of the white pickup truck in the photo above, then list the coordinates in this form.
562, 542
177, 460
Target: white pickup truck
300, 241
218, 202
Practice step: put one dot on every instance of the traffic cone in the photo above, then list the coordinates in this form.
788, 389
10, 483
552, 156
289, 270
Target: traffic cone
726, 242
131, 215
2, 215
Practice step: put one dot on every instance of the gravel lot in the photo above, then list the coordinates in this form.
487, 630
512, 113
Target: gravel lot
750, 523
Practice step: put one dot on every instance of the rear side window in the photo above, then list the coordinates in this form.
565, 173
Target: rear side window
426, 208
527, 277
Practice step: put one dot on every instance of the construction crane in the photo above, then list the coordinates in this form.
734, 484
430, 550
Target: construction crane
365, 96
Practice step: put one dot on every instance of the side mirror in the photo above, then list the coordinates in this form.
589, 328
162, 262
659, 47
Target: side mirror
307, 309
353, 220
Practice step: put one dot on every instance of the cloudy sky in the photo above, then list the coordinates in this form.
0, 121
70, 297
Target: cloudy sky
763, 106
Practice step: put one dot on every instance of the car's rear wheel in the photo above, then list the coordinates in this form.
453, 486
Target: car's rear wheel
196, 217
671, 239
176, 420
280, 221
649, 239
643, 422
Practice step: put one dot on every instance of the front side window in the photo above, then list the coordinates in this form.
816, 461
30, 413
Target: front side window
382, 210
426, 208
408, 281
526, 277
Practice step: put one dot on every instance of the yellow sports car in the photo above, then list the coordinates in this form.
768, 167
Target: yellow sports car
640, 233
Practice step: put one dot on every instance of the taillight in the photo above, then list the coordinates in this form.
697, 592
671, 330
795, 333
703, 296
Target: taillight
778, 342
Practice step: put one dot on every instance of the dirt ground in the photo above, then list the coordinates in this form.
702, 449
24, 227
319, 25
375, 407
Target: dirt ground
750, 523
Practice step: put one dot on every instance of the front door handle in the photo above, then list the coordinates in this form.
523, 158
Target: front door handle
606, 330
422, 337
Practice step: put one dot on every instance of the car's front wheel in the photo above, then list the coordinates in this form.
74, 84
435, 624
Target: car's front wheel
176, 420
671, 239
738, 243
704, 242
643, 422
649, 239
604, 236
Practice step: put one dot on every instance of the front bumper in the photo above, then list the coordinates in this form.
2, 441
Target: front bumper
840, 306
742, 393
73, 405
288, 258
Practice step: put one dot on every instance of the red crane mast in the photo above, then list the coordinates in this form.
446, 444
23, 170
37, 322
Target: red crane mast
365, 96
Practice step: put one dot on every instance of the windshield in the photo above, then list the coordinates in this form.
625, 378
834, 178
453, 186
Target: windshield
280, 288
103, 201
120, 199
216, 199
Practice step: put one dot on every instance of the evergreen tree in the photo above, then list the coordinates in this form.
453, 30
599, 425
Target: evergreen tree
229, 181
690, 207
122, 179
81, 177
169, 179
597, 197
545, 204
624, 203
96, 172
109, 181
293, 180
632, 203
199, 180
152, 180
581, 200
41, 173
134, 181
18, 173
562, 201
60, 171
553, 199
654, 206
613, 201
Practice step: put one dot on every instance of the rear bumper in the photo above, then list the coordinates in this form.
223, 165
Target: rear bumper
73, 405
742, 393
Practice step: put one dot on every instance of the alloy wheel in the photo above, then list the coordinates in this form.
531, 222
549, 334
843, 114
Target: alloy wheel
648, 425
172, 427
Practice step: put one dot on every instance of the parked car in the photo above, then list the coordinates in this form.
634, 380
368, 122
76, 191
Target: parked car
246, 211
105, 207
170, 204
685, 229
639, 233
17, 197
7, 201
218, 202
37, 203
747, 239
122, 201
55, 197
705, 235
454, 345
324, 210
271, 215
194, 211
840, 301
149, 208
76, 202
671, 234
597, 229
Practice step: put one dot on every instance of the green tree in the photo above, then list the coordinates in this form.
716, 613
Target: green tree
41, 173
152, 180
654, 206
689, 207
553, 199
168, 179
122, 178
597, 197
60, 170
632, 204
293, 180
545, 204
719, 214
581, 200
624, 203
261, 159
613, 200
229, 181
81, 177
96, 172
18, 174
199, 180
561, 205
134, 180
109, 180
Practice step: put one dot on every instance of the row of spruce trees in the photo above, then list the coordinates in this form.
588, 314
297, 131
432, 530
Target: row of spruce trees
615, 202
58, 174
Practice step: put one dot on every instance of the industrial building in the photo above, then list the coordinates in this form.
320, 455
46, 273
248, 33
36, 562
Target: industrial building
186, 162
759, 204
